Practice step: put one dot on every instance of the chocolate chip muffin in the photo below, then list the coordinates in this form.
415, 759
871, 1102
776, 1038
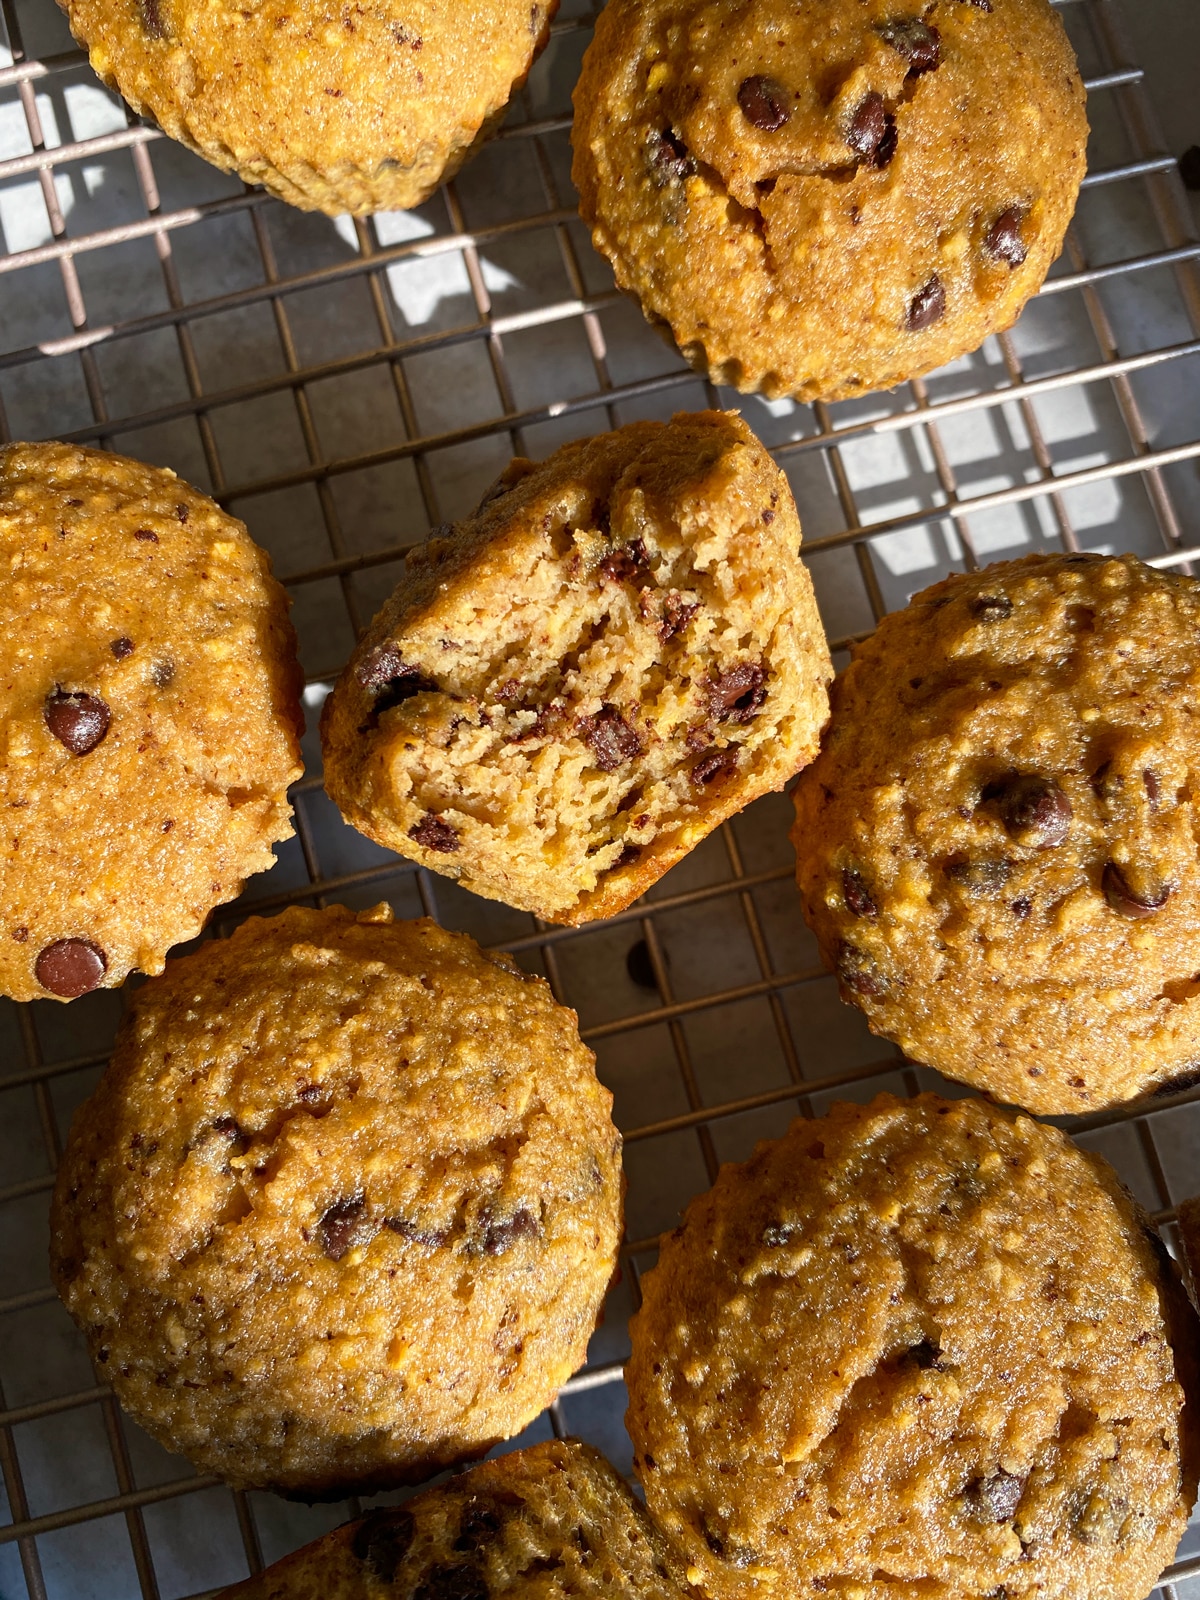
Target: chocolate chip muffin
916, 1348
344, 1205
821, 199
552, 1521
573, 687
997, 848
149, 716
337, 106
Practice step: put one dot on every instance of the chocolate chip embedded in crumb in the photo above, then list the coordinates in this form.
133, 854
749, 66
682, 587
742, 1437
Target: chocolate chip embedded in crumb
737, 693
926, 306
1003, 240
764, 103
1152, 786
383, 1539
121, 647
859, 902
379, 666
152, 22
677, 612
983, 876
996, 1497
344, 1226
1034, 810
435, 834
916, 41
991, 607
1127, 899
714, 764
71, 967
872, 131
629, 854
162, 673
181, 512
860, 973
501, 1233
146, 535
78, 721
625, 564
668, 157
610, 738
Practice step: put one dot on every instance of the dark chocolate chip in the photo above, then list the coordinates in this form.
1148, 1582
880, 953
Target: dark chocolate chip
886, 148
152, 22
677, 612
630, 853
926, 306
20, 934
162, 673
985, 877
122, 647
996, 1497
382, 1540
991, 607
928, 1356
727, 1549
344, 1226
1189, 167
462, 1581
764, 103
431, 1238
714, 764
916, 41
78, 721
624, 565
227, 1127
1003, 240
1128, 900
1021, 907
859, 973
668, 157
484, 1517
146, 535
639, 966
981, 5
1106, 784
768, 516
1034, 810
71, 967
501, 1233
1152, 786
610, 738
736, 694
868, 125
380, 666
859, 902
435, 834
181, 512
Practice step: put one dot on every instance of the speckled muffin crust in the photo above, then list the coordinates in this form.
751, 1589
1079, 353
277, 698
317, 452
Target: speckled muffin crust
916, 1348
149, 716
545, 1523
338, 105
821, 199
344, 1206
997, 848
567, 693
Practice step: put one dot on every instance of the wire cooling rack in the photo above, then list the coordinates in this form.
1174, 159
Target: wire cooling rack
344, 386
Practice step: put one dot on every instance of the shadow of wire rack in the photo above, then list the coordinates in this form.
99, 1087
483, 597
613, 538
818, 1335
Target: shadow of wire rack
344, 386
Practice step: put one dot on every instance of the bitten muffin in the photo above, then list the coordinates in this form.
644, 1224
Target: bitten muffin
344, 1206
821, 199
333, 106
917, 1348
149, 716
619, 650
551, 1521
997, 848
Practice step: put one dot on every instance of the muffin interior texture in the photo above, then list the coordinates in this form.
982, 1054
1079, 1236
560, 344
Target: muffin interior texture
576, 685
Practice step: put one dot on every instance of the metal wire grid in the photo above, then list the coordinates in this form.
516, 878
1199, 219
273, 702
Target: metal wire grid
719, 957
